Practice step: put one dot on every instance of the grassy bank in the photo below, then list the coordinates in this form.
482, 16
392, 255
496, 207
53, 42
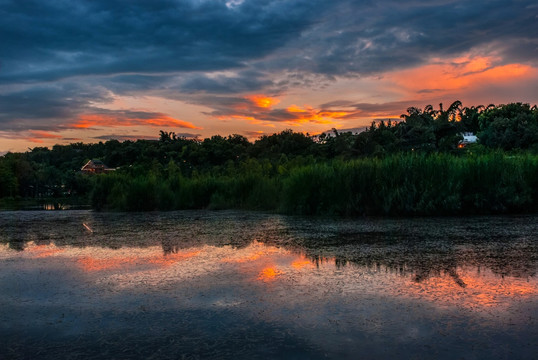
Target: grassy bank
45, 203
405, 184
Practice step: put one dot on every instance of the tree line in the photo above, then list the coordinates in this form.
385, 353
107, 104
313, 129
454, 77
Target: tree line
221, 172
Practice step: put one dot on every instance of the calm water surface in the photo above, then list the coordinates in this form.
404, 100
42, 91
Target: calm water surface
78, 284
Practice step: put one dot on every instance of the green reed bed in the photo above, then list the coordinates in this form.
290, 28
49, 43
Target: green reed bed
403, 184
437, 184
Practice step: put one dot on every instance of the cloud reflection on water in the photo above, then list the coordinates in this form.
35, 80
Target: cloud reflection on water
131, 268
249, 281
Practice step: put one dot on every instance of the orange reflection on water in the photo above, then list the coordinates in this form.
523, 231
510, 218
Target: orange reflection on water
171, 259
93, 263
263, 262
269, 274
301, 263
43, 251
488, 291
473, 289
252, 253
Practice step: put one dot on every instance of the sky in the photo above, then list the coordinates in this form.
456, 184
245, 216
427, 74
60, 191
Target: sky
94, 70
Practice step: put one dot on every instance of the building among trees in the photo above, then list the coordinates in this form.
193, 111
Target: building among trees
95, 167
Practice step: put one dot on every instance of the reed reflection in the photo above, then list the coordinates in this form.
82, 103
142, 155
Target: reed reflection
473, 262
462, 285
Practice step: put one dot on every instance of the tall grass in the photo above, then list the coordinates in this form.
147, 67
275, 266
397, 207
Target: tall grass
437, 184
145, 193
400, 184
404, 184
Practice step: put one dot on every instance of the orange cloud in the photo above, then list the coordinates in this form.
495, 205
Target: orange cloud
249, 119
457, 74
44, 134
295, 109
263, 101
292, 116
130, 118
319, 116
36, 136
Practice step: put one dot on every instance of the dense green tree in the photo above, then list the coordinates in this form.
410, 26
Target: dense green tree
175, 172
286, 142
512, 126
8, 181
469, 117
417, 130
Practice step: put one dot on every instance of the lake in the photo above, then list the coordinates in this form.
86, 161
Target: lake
248, 285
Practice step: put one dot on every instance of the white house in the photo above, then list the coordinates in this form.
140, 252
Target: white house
468, 138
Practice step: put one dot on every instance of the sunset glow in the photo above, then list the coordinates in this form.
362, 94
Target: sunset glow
461, 74
102, 120
263, 101
357, 63
310, 115
44, 134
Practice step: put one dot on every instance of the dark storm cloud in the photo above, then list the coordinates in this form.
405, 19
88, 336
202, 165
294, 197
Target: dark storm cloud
77, 52
373, 37
245, 81
50, 40
46, 107
54, 108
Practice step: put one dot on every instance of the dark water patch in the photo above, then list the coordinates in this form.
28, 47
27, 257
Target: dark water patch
197, 284
194, 334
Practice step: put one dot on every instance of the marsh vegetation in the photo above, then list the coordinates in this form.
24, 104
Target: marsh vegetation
415, 166
200, 284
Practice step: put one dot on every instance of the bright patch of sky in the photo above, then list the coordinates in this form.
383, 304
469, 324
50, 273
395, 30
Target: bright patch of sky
95, 70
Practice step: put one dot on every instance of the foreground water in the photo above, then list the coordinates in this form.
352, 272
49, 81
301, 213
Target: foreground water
78, 284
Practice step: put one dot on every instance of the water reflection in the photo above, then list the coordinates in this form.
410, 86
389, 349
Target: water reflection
462, 285
419, 249
326, 287
56, 206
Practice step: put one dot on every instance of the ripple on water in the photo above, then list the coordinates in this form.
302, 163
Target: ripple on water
212, 284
